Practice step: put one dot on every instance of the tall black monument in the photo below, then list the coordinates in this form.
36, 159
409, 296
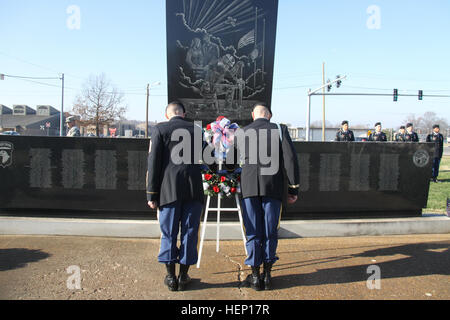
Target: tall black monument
220, 56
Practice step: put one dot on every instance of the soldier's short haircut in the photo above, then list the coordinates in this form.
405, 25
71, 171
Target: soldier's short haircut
264, 106
176, 107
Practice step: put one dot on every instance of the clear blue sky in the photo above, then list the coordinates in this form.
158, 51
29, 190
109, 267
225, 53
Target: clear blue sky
126, 40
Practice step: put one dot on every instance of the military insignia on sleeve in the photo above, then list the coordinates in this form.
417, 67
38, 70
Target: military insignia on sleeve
421, 158
6, 154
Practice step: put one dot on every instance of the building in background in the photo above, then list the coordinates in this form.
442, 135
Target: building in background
122, 128
42, 121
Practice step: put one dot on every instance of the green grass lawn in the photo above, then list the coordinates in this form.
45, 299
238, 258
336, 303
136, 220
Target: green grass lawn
439, 192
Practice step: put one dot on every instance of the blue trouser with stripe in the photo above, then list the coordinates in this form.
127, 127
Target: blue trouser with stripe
261, 217
436, 164
171, 217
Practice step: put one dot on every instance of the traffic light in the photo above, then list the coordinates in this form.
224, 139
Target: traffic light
420, 95
395, 95
330, 86
339, 83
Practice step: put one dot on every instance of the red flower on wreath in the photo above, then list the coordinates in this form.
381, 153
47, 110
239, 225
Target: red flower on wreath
208, 127
208, 177
233, 190
223, 179
216, 189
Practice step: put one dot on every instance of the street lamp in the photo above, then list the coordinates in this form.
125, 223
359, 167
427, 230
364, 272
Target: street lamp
148, 96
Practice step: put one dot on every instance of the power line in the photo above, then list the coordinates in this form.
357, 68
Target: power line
35, 78
41, 83
27, 62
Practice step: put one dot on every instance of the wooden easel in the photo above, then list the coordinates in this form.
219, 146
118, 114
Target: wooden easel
219, 209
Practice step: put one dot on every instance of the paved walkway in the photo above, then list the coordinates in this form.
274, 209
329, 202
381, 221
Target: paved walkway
411, 267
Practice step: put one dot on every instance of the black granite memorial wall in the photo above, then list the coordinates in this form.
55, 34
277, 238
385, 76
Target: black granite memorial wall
108, 175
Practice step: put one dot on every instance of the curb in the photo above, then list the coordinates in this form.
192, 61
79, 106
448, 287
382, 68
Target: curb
228, 231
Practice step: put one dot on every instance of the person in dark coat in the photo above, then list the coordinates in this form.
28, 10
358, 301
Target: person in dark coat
344, 134
263, 186
378, 135
410, 135
174, 185
400, 135
438, 139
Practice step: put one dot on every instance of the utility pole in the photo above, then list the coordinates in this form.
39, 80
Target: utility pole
146, 114
148, 97
323, 108
61, 127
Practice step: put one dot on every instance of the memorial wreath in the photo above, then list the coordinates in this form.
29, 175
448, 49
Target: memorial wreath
220, 134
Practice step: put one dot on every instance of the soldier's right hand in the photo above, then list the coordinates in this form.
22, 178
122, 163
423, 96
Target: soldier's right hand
292, 199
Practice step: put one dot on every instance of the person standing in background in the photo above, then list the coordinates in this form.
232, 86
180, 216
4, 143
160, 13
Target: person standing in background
344, 134
400, 135
438, 139
410, 135
378, 135
73, 131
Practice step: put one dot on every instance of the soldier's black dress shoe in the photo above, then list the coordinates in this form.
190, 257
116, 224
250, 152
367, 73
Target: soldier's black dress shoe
171, 280
267, 277
183, 278
254, 279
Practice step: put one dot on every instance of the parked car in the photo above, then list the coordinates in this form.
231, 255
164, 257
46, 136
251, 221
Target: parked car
9, 133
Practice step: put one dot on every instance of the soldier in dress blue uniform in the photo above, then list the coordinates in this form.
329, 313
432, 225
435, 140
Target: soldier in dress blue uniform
263, 193
410, 135
177, 190
378, 135
344, 134
438, 139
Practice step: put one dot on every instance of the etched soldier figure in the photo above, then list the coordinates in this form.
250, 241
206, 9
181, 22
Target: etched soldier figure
344, 134
438, 139
410, 135
176, 189
378, 135
400, 135
262, 193
74, 131
210, 51
194, 56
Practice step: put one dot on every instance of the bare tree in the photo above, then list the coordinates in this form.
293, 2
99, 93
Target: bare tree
424, 124
99, 103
